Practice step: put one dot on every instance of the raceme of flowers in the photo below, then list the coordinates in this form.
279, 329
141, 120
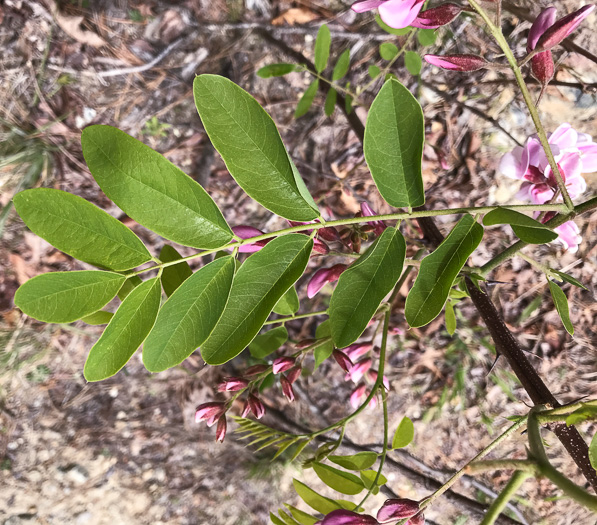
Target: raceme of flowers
575, 154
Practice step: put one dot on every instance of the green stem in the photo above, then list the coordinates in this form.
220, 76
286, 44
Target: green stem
293, 317
526, 95
530, 467
499, 504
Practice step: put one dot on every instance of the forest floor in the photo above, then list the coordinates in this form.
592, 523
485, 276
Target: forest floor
127, 450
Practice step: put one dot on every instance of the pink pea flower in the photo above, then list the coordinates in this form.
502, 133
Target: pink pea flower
343, 360
372, 376
542, 63
246, 409
246, 232
372, 402
569, 236
287, 388
437, 16
323, 276
221, 429
357, 395
367, 211
233, 384
347, 517
256, 406
561, 29
395, 13
210, 412
397, 509
281, 364
357, 350
356, 373
457, 62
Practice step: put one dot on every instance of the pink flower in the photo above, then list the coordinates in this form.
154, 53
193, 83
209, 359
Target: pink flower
233, 384
221, 429
367, 211
395, 13
256, 406
342, 359
457, 62
569, 236
372, 376
553, 35
347, 517
323, 276
357, 350
281, 364
542, 63
287, 388
575, 153
437, 16
396, 509
246, 232
357, 395
359, 369
210, 412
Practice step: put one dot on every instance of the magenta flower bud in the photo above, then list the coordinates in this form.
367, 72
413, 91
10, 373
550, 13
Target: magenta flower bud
357, 395
209, 411
233, 384
256, 369
359, 369
343, 360
419, 519
457, 62
347, 517
287, 388
329, 234
437, 16
246, 409
367, 211
221, 429
357, 350
256, 406
397, 509
320, 247
246, 232
293, 374
323, 276
542, 64
282, 364
563, 27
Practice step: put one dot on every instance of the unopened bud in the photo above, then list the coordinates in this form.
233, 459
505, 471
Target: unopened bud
320, 247
282, 364
287, 388
256, 406
457, 62
437, 16
233, 384
343, 360
329, 234
397, 509
323, 276
347, 517
221, 429
563, 27
209, 411
293, 374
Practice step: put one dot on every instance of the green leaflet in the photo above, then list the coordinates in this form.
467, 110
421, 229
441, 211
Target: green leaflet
526, 228
582, 414
313, 499
342, 65
393, 145
404, 434
98, 318
302, 517
322, 48
173, 276
426, 37
388, 50
593, 452
151, 190
438, 270
267, 343
277, 70
339, 480
330, 102
362, 287
64, 297
80, 229
248, 141
561, 302
569, 279
305, 102
450, 318
324, 350
258, 285
359, 461
288, 304
125, 333
128, 286
189, 315
413, 62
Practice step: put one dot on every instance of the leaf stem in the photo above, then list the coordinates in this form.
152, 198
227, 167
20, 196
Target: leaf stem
293, 317
499, 504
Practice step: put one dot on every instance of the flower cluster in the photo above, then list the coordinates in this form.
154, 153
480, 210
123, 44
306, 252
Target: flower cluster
575, 154
391, 511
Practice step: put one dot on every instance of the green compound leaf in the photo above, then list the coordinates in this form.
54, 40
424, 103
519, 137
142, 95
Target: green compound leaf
259, 284
526, 228
125, 333
322, 48
393, 145
98, 318
305, 102
413, 62
561, 302
388, 51
250, 145
267, 343
173, 276
342, 65
151, 190
362, 287
289, 303
80, 229
313, 499
450, 318
404, 434
189, 315
340, 481
438, 270
277, 70
359, 461
64, 297
330, 102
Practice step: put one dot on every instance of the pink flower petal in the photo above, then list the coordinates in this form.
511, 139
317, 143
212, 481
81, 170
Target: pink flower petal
545, 20
367, 5
400, 13
569, 236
